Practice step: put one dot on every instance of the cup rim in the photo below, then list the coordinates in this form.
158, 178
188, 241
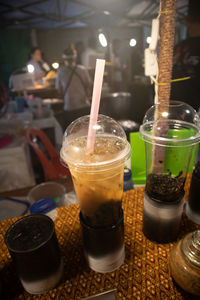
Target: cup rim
162, 203
47, 183
167, 142
20, 220
108, 164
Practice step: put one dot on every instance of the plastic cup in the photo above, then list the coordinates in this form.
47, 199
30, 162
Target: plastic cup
33, 246
97, 178
49, 189
193, 205
169, 142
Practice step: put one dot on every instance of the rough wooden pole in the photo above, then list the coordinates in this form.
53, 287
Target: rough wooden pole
165, 58
165, 63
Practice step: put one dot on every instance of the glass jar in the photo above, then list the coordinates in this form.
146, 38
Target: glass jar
185, 263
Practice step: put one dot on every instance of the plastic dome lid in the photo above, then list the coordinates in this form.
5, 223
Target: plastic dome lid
177, 125
111, 144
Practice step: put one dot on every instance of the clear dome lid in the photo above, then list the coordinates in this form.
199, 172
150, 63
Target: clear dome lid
111, 144
175, 125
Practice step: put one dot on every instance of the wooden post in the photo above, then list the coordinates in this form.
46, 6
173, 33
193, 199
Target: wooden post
165, 58
165, 63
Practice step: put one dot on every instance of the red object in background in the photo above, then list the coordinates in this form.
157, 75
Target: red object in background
49, 158
5, 141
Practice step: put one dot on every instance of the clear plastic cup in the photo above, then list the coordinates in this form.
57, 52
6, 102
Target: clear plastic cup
97, 176
98, 181
49, 189
170, 133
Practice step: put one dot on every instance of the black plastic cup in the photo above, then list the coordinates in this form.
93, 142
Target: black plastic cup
33, 246
193, 204
161, 219
104, 246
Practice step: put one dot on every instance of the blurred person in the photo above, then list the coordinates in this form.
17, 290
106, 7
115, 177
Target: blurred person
40, 67
187, 60
73, 81
116, 66
80, 49
91, 50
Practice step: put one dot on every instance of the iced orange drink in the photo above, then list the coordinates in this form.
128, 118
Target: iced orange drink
97, 176
98, 181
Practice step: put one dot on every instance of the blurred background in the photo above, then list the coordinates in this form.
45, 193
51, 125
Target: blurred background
48, 50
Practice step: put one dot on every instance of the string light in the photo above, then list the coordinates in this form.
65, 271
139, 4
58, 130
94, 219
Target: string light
103, 40
132, 42
30, 68
55, 65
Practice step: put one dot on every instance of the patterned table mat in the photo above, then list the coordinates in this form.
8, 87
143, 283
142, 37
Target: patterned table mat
144, 275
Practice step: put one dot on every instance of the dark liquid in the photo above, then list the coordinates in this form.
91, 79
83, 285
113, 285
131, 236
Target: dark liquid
34, 247
107, 214
163, 187
29, 233
103, 241
160, 231
158, 225
194, 195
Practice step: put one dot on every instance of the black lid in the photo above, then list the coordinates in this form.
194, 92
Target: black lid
29, 233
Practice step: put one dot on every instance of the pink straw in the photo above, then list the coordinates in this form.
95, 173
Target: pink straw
96, 96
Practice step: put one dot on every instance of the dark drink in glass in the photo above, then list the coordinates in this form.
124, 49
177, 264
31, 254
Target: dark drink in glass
193, 205
33, 246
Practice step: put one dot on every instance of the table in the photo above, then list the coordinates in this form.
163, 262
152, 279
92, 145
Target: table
144, 275
42, 91
67, 182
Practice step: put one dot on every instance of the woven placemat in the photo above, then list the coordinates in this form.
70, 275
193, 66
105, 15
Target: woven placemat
144, 275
